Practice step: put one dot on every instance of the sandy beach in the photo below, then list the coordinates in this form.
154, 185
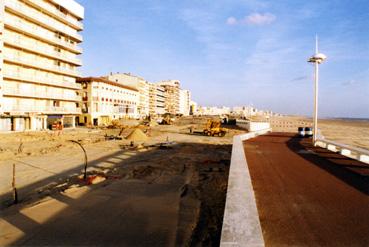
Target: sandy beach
345, 131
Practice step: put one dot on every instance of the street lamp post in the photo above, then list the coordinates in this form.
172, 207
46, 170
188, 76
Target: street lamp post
317, 59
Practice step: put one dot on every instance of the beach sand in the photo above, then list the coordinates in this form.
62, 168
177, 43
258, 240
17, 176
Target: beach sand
346, 131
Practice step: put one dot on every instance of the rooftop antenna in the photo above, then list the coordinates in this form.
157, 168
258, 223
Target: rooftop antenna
316, 44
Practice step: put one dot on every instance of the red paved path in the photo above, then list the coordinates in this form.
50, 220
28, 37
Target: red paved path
306, 195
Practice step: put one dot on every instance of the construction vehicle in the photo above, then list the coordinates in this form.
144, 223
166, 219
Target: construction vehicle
166, 119
213, 128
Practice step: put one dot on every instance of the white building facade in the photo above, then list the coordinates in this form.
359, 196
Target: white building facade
157, 99
213, 110
184, 102
38, 60
104, 101
140, 84
172, 94
244, 111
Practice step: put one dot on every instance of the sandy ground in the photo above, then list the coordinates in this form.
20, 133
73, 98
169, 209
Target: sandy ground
351, 132
174, 194
308, 196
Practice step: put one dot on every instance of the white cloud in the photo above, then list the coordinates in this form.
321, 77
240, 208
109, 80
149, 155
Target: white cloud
231, 21
260, 19
253, 19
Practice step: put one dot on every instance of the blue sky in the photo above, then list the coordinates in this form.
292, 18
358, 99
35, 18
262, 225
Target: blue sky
237, 52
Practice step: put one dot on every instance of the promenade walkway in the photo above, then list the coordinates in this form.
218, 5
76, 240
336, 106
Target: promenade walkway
308, 196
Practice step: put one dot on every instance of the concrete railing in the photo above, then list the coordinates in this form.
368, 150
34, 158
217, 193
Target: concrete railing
345, 150
241, 224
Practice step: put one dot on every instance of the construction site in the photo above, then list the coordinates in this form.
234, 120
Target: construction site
165, 182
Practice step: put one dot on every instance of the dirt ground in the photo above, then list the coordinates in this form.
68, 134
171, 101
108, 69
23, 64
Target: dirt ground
49, 165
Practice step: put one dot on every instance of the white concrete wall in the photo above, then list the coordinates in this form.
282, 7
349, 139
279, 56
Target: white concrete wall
241, 224
253, 126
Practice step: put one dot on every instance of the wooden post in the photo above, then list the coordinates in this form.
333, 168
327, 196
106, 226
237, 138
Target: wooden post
15, 194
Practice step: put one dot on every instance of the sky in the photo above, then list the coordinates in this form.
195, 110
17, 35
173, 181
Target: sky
237, 52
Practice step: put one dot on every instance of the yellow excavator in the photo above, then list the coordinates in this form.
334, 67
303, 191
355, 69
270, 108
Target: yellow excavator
213, 128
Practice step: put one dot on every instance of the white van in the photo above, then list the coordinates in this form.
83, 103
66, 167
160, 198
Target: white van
308, 131
301, 131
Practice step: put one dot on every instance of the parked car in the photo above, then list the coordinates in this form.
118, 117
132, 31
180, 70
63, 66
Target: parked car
308, 131
301, 131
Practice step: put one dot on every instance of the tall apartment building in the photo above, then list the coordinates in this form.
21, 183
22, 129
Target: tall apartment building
172, 94
157, 99
184, 102
104, 101
39, 47
140, 84
193, 108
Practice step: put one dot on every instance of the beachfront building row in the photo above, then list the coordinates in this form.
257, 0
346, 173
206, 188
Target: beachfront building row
39, 56
156, 98
123, 95
212, 111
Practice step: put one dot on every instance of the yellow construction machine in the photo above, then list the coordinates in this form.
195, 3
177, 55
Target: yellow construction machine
213, 128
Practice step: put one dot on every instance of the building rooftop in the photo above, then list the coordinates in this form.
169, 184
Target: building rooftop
100, 79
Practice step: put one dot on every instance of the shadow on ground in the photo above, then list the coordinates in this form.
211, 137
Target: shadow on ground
350, 171
155, 197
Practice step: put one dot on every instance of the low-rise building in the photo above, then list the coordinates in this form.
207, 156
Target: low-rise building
244, 111
140, 84
213, 110
104, 100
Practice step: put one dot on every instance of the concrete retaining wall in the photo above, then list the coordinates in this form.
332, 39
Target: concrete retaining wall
253, 126
241, 225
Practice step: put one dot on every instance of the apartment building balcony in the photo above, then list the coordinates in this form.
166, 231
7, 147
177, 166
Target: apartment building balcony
39, 33
37, 17
9, 91
51, 10
23, 44
40, 65
42, 109
13, 75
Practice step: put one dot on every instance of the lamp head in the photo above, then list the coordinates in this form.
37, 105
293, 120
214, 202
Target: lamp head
317, 58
